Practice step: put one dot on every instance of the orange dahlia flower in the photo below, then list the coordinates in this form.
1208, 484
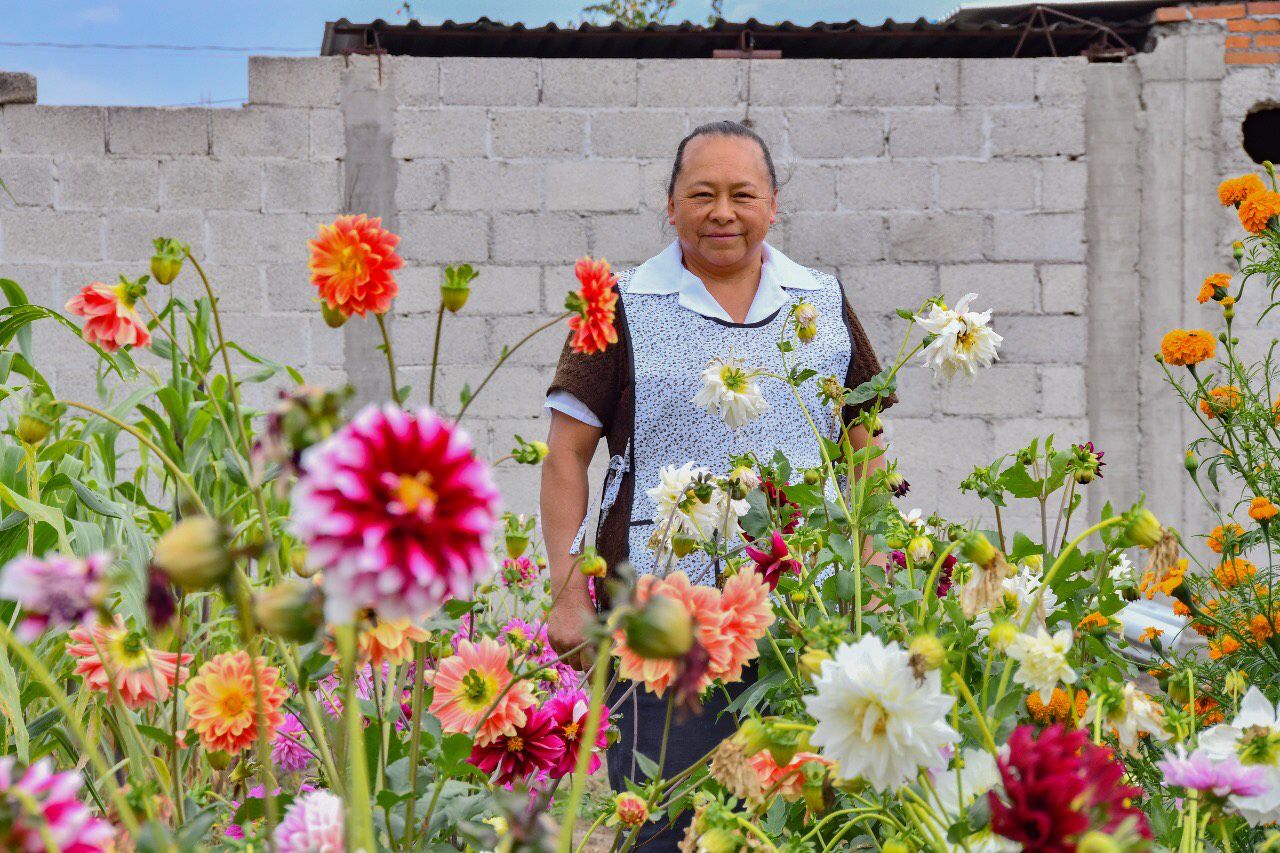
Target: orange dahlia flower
748, 615
1257, 211
1211, 285
1234, 571
112, 321
351, 264
1221, 537
113, 657
1262, 509
1058, 708
1186, 347
789, 780
222, 698
595, 304
468, 684
385, 641
1236, 190
1222, 400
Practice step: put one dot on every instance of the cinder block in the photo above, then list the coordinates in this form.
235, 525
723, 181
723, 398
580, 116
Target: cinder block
655, 175
794, 82
936, 133
506, 291
1064, 288
1000, 391
1062, 391
1005, 288
515, 388
111, 183
246, 237
770, 123
1061, 82
295, 81
463, 340
419, 184
538, 238
539, 133
837, 134
489, 81
1043, 339
987, 185
46, 235
328, 134
458, 132
130, 234
1064, 184
589, 82
328, 347
32, 129
897, 82
593, 185
936, 237
283, 338
997, 81
1013, 433
152, 130
636, 133
626, 239
306, 186
205, 183
806, 186
41, 283
261, 132
493, 185
1042, 132
886, 185
836, 238
17, 87
1038, 237
690, 82
448, 238
29, 181
239, 288
415, 80
881, 289
917, 396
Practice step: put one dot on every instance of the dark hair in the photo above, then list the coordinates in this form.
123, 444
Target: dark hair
722, 128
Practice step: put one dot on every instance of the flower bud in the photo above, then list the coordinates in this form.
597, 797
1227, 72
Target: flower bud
752, 735
1097, 842
1237, 250
592, 564
893, 845
920, 548
1142, 528
632, 811
37, 419
166, 263
1236, 682
333, 318
977, 548
1034, 563
811, 662
897, 484
194, 553
298, 562
812, 477
516, 543
1001, 635
682, 544
661, 630
456, 286
292, 610
529, 452
927, 654
1191, 463
218, 759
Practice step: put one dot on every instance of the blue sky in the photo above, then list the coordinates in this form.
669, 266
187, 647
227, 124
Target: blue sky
163, 78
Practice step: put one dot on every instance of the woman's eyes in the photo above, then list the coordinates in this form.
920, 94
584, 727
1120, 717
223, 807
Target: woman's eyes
735, 195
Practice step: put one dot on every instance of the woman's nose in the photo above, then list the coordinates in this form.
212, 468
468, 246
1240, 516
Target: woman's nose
722, 211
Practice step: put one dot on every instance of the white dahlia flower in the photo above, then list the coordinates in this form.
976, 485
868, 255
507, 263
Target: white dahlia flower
963, 341
730, 391
1135, 713
680, 513
1044, 661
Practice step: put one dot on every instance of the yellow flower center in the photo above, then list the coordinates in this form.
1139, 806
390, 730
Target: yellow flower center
231, 704
478, 690
570, 731
351, 263
515, 744
414, 492
734, 378
128, 651
966, 340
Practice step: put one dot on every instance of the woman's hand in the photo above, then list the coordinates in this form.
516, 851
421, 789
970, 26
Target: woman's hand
567, 622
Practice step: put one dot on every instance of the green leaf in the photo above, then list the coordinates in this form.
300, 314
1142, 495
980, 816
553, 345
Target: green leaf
455, 607
647, 765
158, 735
453, 749
1023, 547
50, 516
94, 501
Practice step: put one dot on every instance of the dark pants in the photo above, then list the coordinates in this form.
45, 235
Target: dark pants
641, 720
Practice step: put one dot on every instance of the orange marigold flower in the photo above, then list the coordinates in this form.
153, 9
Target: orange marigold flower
112, 321
1149, 633
1257, 211
1234, 571
1180, 609
1236, 190
222, 698
1206, 711
1222, 400
1166, 583
1207, 290
1186, 347
352, 263
1261, 628
1058, 709
114, 658
1227, 536
1093, 620
467, 685
1226, 646
1262, 509
595, 305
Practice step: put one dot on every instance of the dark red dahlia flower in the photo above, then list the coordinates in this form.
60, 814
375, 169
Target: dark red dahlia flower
534, 748
772, 563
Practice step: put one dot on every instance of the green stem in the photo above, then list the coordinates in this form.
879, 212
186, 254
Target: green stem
587, 742
978, 713
360, 826
391, 359
222, 347
173, 747
506, 354
435, 356
415, 741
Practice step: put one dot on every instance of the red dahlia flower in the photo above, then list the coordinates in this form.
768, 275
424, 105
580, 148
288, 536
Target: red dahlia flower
112, 321
568, 710
596, 306
773, 563
1059, 786
535, 747
352, 263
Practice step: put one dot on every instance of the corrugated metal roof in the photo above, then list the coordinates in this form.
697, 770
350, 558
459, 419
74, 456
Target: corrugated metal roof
979, 32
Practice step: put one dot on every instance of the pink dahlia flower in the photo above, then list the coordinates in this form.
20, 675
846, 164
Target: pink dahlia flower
568, 710
289, 751
112, 322
1201, 772
535, 747
39, 805
311, 824
57, 591
114, 659
398, 513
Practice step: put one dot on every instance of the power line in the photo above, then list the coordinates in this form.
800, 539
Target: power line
189, 48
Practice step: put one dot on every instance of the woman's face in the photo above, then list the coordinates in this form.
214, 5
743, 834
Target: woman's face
723, 202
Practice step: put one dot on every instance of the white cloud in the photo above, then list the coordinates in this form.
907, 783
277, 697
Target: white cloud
107, 13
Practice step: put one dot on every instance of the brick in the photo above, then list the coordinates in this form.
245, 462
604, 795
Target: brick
151, 130
1217, 11
45, 235
261, 132
459, 132
936, 237
415, 80
589, 82
1061, 82
897, 82
795, 82
419, 184
209, 184
328, 135
506, 291
489, 81
493, 185
1039, 236
836, 134
593, 185
1064, 184
1008, 288
989, 185
881, 289
936, 133
130, 234
111, 183
534, 237
1043, 339
1037, 132
997, 81
245, 237
1171, 14
635, 133
1264, 40
1251, 57
311, 81
1064, 288
304, 186
1268, 8
328, 347
1240, 41
1002, 390
1252, 26
885, 185
32, 129
539, 133
463, 340
834, 239
689, 82
1062, 392
29, 180
626, 239
806, 186
443, 237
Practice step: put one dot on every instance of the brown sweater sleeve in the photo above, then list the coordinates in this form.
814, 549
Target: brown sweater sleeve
863, 365
596, 379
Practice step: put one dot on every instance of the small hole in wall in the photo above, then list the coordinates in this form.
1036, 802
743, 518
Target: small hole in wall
1262, 134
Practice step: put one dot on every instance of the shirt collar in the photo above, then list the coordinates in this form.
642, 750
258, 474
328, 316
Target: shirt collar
664, 273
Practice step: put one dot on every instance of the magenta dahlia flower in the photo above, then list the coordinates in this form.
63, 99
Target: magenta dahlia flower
1059, 786
311, 824
38, 805
569, 710
288, 750
774, 562
534, 748
58, 591
397, 511
1201, 772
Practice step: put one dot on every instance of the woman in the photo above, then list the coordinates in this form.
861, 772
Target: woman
718, 290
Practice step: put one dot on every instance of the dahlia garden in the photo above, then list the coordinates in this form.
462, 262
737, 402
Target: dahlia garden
313, 628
